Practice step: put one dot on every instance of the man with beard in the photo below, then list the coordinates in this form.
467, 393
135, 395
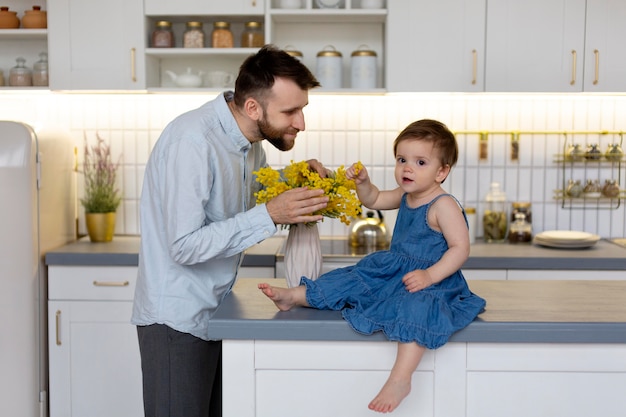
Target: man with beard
198, 215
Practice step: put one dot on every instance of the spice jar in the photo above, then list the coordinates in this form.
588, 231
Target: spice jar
575, 153
328, 67
521, 230
20, 75
495, 220
162, 36
193, 36
610, 189
470, 213
592, 189
363, 68
252, 35
614, 152
522, 207
574, 188
40, 71
592, 152
222, 37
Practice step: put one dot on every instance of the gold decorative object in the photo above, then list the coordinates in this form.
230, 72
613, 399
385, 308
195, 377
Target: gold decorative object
100, 226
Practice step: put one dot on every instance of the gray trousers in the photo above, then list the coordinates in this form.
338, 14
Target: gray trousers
182, 374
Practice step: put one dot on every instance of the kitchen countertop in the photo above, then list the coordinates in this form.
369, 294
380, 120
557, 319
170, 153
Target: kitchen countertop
605, 255
517, 311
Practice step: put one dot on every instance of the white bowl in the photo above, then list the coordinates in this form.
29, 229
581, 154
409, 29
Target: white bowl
290, 4
372, 4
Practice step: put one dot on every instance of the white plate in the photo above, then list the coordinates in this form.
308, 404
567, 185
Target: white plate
560, 245
567, 236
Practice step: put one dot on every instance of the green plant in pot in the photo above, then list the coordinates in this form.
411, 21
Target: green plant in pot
102, 197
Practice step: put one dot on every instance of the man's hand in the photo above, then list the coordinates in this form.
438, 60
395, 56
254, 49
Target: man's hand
296, 206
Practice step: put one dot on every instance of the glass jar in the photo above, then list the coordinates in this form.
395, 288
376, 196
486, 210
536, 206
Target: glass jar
593, 152
495, 219
614, 152
522, 207
574, 189
20, 75
162, 36
521, 230
222, 37
40, 71
1, 78
592, 189
252, 35
193, 36
610, 189
574, 153
470, 213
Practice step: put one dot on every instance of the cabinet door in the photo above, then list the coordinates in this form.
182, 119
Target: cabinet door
605, 62
436, 46
535, 45
95, 368
96, 44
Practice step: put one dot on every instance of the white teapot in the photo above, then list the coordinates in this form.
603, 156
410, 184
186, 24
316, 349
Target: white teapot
187, 79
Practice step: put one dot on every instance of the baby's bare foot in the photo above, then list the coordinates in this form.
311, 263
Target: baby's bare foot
390, 396
280, 296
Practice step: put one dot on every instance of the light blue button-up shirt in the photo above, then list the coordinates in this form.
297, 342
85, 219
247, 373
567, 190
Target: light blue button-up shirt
197, 216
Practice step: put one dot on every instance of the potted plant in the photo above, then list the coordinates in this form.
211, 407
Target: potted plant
102, 197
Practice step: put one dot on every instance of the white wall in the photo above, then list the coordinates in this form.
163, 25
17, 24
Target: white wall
342, 129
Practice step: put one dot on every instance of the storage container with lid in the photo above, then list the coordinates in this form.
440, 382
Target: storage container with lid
40, 71
294, 53
222, 37
162, 36
252, 35
329, 67
20, 75
193, 36
35, 18
8, 18
495, 218
363, 68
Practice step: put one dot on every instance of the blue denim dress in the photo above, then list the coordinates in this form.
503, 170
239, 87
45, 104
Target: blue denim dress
373, 298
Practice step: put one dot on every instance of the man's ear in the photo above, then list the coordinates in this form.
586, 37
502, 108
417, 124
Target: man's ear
253, 109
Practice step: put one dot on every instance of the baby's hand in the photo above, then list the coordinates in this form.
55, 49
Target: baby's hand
356, 172
417, 280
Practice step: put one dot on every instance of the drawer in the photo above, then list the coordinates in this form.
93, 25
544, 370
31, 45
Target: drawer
91, 282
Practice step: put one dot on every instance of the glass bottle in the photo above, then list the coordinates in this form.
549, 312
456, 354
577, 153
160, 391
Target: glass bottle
252, 35
592, 152
521, 230
193, 36
574, 188
592, 189
162, 36
495, 219
610, 189
522, 207
40, 71
222, 37
575, 153
20, 75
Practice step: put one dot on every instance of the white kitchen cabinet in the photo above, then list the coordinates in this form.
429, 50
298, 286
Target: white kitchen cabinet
436, 46
535, 45
95, 367
308, 30
96, 45
26, 43
605, 61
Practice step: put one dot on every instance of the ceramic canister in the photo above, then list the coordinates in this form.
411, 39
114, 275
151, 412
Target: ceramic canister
363, 68
8, 19
328, 67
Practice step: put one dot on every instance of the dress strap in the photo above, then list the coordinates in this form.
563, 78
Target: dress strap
455, 199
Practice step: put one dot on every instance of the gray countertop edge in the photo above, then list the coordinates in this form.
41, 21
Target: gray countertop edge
476, 332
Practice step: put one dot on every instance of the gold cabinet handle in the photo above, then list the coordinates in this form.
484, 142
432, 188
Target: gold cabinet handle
111, 283
573, 81
58, 327
474, 65
596, 76
133, 72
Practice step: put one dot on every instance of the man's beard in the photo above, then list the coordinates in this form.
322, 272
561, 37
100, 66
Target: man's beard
274, 136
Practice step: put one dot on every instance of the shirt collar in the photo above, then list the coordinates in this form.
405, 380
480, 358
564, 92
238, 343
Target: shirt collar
229, 123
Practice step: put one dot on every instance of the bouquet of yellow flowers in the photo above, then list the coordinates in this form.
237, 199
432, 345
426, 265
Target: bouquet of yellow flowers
342, 204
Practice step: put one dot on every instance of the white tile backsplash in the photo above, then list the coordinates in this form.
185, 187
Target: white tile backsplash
341, 129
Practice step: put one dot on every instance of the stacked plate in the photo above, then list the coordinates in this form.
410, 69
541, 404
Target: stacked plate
566, 239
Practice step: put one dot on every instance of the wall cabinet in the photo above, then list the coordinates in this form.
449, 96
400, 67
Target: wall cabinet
96, 44
425, 57
95, 368
25, 43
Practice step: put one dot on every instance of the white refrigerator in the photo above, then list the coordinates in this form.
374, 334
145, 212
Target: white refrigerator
37, 213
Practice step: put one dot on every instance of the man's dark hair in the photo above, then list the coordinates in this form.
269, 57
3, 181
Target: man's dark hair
258, 72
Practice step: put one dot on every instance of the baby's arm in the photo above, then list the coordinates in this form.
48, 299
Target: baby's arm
444, 215
369, 194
